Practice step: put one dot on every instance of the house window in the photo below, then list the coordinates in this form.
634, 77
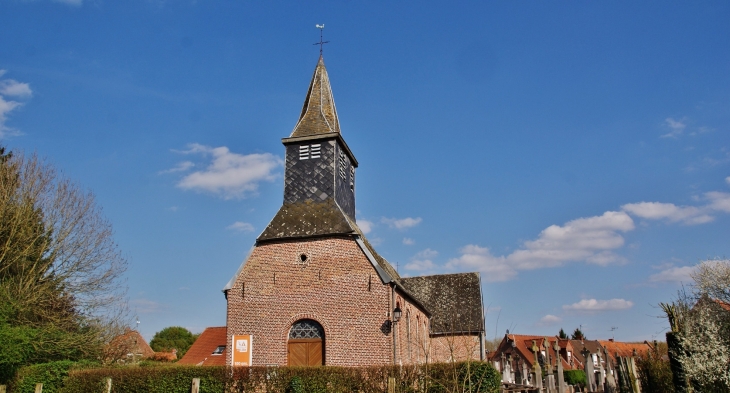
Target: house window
310, 151
219, 350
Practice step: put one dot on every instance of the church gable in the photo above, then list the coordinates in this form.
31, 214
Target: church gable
328, 280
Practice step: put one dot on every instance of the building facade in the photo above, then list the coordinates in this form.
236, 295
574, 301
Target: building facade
314, 291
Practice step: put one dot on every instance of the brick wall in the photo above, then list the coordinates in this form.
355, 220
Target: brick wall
337, 287
459, 348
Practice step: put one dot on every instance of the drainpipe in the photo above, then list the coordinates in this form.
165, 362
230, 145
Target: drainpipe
392, 307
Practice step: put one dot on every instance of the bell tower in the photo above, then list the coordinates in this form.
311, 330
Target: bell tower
319, 164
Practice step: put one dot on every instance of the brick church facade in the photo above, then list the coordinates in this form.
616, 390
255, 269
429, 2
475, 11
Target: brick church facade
313, 290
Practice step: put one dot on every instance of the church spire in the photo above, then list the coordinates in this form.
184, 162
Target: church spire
319, 115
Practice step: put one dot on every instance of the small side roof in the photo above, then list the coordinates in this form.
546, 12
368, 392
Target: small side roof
455, 301
201, 352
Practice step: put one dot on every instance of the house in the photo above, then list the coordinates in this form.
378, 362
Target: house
314, 291
517, 355
131, 347
209, 349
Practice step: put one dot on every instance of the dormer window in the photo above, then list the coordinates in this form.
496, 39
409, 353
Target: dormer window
219, 350
310, 151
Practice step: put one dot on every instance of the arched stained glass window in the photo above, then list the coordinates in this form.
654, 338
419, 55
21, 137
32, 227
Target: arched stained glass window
306, 328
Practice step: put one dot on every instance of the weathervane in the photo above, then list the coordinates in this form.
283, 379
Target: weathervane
320, 43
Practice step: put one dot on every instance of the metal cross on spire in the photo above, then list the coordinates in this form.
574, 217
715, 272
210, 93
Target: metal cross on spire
320, 43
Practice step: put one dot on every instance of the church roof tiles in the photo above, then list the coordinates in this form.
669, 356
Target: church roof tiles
453, 299
319, 115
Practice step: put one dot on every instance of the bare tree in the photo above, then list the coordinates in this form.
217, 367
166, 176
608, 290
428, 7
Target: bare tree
60, 269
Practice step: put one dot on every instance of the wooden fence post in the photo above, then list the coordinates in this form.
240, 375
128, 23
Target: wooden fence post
196, 385
39, 388
3, 389
108, 385
391, 385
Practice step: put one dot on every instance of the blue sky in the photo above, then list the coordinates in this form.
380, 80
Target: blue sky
577, 154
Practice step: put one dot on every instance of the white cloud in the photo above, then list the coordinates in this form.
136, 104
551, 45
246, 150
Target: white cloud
240, 227
676, 127
589, 239
673, 274
474, 257
421, 265
727, 180
401, 223
549, 320
365, 226
180, 167
408, 241
689, 215
423, 260
585, 239
591, 305
11, 88
230, 175
719, 201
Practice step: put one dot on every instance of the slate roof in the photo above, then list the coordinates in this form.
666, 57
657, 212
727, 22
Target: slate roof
307, 219
455, 301
319, 115
593, 346
201, 352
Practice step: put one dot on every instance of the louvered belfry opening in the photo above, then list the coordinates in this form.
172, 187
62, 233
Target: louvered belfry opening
306, 344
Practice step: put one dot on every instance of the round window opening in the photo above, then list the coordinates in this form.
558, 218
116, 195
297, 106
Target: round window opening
306, 329
303, 258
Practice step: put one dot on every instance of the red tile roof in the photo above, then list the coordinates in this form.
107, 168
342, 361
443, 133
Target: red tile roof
624, 349
201, 352
523, 345
131, 341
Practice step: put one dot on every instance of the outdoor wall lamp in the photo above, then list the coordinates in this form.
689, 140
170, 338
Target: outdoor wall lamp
397, 314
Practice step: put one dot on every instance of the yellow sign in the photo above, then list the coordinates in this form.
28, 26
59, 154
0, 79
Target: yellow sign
242, 350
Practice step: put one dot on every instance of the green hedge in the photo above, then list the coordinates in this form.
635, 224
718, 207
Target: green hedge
472, 377
51, 375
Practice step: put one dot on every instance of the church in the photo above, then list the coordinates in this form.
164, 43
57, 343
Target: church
313, 291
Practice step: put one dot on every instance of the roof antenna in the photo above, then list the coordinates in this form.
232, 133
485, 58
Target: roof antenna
320, 43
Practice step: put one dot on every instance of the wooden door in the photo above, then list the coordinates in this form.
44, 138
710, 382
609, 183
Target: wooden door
305, 352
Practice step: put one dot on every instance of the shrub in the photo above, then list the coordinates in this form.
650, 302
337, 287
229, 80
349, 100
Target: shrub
469, 377
654, 371
575, 377
51, 375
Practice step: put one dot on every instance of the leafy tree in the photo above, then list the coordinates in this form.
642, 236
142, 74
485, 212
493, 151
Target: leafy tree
577, 335
173, 337
562, 334
60, 271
